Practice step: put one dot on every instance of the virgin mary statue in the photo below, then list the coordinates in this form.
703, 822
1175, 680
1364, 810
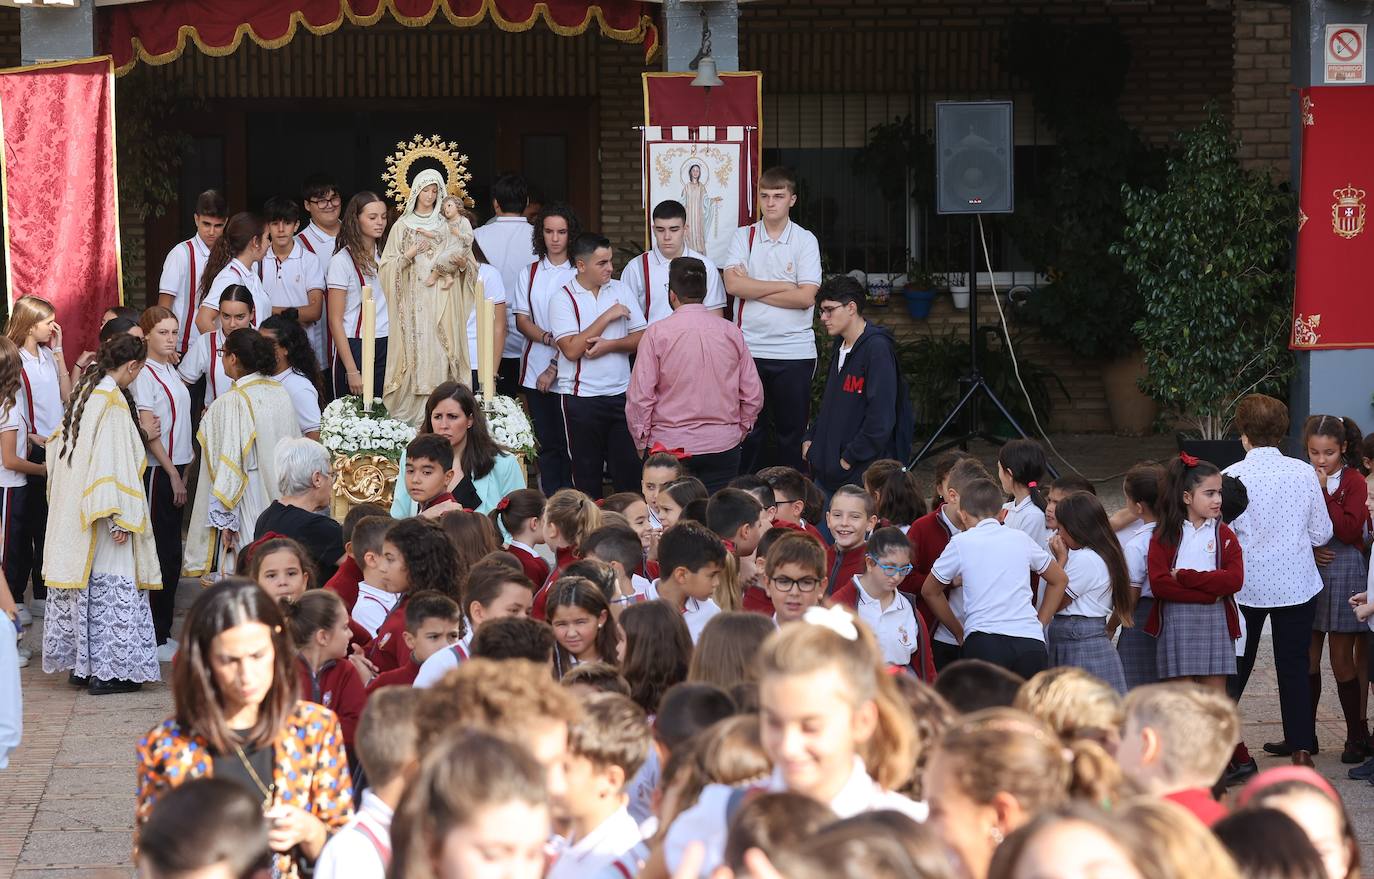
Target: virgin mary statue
428, 340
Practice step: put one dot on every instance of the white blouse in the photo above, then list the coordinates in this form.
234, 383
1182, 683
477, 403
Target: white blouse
1286, 518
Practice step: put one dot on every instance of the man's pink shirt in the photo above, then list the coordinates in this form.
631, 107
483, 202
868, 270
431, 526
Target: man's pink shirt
694, 385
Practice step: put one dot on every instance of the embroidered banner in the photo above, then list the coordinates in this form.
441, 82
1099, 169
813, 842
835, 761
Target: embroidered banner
156, 33
1335, 271
702, 147
57, 185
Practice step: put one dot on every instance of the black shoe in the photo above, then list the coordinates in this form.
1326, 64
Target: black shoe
1239, 773
77, 680
1363, 771
1354, 752
1283, 749
102, 687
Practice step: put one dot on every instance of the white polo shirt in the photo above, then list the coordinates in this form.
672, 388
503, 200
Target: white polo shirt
696, 614
1090, 585
575, 308
288, 283
994, 562
1137, 551
494, 290
40, 391
304, 397
508, 243
1197, 547
204, 360
11, 421
373, 606
774, 333
238, 273
649, 272
181, 272
534, 288
319, 244
345, 275
159, 389
894, 626
1025, 516
592, 856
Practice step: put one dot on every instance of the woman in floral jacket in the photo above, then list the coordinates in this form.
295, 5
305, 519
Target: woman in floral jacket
237, 717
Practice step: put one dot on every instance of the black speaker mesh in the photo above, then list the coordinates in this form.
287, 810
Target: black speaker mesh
973, 148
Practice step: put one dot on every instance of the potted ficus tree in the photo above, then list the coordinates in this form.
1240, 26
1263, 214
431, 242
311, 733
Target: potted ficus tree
1208, 255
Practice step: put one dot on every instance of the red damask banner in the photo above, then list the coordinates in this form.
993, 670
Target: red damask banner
1335, 273
157, 32
57, 180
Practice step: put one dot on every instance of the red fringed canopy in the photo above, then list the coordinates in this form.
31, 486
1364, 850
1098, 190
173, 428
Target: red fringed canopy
156, 32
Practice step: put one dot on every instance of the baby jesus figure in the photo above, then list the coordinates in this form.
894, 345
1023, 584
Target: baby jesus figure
455, 251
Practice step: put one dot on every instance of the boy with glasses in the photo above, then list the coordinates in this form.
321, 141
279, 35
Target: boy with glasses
320, 194
794, 575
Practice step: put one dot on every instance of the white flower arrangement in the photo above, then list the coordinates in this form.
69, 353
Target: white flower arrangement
509, 425
346, 430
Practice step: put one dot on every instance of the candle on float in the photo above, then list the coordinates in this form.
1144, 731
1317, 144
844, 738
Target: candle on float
486, 338
369, 329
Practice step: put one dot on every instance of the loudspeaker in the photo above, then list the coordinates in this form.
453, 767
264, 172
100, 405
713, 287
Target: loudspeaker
973, 157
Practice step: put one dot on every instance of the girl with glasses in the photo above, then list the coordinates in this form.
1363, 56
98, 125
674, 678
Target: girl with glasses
875, 596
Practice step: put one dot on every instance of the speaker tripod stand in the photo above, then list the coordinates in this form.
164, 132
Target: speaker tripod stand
973, 380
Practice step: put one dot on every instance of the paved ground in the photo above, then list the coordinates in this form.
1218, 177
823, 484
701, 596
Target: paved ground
68, 795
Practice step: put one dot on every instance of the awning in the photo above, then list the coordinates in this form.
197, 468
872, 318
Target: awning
157, 32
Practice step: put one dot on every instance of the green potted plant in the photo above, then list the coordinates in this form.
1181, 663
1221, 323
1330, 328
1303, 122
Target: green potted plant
920, 290
1208, 255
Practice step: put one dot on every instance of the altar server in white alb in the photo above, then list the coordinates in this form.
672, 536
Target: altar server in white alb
101, 557
647, 274
238, 250
238, 439
179, 288
774, 272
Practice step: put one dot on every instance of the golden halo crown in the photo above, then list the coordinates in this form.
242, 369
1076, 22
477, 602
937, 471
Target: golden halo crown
1348, 195
455, 164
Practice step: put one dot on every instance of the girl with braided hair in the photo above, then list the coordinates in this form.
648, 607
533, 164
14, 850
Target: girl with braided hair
238, 440
102, 557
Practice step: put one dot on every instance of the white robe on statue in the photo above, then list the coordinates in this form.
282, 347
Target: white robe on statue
98, 622
238, 478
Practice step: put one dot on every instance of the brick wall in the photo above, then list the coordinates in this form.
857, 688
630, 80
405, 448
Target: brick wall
1262, 101
620, 109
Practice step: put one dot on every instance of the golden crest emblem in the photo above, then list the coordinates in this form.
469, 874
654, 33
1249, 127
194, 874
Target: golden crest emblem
1347, 214
1305, 333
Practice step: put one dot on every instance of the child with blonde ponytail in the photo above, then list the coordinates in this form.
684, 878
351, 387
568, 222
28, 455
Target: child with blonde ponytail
833, 725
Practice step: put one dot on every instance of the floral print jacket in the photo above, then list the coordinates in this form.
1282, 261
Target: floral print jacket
310, 770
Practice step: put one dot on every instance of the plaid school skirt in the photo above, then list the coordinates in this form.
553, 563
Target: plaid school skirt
1139, 651
1083, 642
1194, 640
1341, 579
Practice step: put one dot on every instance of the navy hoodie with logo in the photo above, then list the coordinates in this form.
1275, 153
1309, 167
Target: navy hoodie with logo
865, 413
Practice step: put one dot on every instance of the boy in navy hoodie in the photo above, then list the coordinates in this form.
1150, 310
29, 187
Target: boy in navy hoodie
866, 412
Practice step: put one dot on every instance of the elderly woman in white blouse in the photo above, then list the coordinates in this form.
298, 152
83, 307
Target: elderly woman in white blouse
1285, 520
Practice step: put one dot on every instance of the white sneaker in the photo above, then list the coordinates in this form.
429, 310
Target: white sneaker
25, 652
38, 607
23, 661
166, 651
25, 618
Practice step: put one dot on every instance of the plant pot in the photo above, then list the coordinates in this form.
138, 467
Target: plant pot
918, 302
1132, 411
960, 299
1221, 452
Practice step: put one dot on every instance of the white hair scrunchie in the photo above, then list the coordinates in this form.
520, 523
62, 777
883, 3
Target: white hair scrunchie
836, 619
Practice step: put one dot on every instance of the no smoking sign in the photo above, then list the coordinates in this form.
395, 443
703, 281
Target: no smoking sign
1345, 53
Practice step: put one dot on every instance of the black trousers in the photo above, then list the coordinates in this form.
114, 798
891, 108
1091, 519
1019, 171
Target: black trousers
12, 502
1023, 656
944, 654
33, 526
550, 435
378, 367
166, 522
1291, 632
787, 406
508, 377
598, 440
716, 469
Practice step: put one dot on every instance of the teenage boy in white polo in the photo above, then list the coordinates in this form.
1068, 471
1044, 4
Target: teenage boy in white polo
507, 240
320, 194
290, 275
555, 228
647, 274
596, 326
774, 271
182, 268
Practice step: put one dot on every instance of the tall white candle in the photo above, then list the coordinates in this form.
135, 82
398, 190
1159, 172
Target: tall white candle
486, 332
369, 340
